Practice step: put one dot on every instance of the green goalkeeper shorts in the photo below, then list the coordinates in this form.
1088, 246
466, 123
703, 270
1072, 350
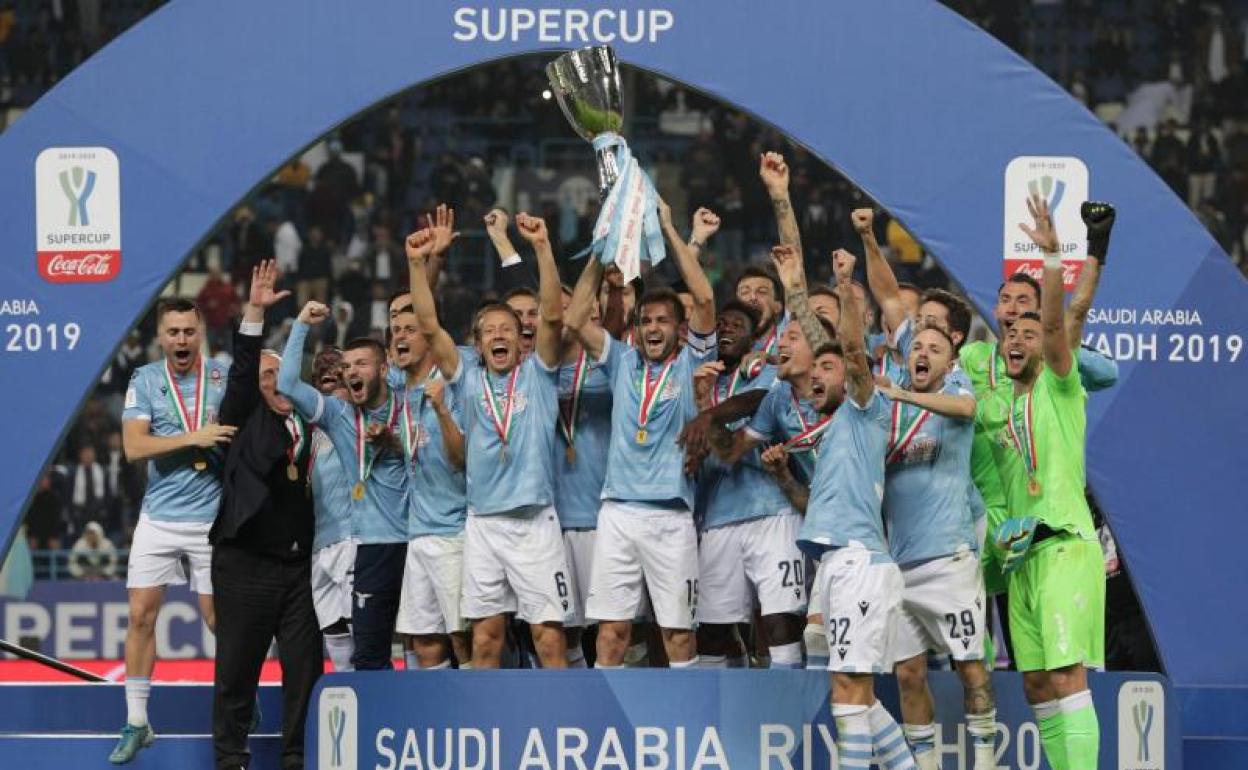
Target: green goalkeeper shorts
1057, 605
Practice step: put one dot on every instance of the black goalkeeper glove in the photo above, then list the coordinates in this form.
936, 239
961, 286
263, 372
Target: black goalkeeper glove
1099, 217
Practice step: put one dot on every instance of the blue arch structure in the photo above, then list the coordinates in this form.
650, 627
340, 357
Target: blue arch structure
206, 98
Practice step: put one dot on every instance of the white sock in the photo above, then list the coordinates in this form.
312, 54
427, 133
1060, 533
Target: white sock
891, 749
638, 656
340, 648
608, 668
786, 655
922, 740
138, 690
411, 661
691, 663
575, 657
444, 664
816, 646
853, 736
983, 731
738, 661
713, 661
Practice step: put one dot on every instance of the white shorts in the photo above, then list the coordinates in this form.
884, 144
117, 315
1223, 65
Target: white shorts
861, 607
430, 599
333, 575
751, 558
579, 545
515, 564
156, 555
639, 548
942, 609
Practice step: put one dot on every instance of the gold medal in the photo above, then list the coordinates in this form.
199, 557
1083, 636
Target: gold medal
570, 453
292, 472
1033, 487
641, 435
357, 492
200, 465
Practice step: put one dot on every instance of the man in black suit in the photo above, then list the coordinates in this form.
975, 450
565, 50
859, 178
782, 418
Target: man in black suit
262, 546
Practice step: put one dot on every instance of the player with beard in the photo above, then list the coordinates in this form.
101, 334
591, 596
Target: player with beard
433, 445
333, 549
363, 431
513, 550
1049, 547
860, 585
585, 433
646, 535
169, 421
749, 529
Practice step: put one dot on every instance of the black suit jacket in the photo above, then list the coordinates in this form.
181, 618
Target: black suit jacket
257, 457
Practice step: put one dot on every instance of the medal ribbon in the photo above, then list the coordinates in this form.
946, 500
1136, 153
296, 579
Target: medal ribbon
809, 438
907, 420
364, 458
649, 393
773, 339
567, 422
1023, 436
409, 428
733, 385
175, 396
297, 431
501, 417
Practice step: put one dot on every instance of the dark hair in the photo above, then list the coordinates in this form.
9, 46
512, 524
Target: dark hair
1029, 316
907, 286
492, 307
1022, 278
396, 295
759, 271
737, 306
658, 295
327, 357
519, 291
176, 305
824, 290
959, 311
359, 343
832, 347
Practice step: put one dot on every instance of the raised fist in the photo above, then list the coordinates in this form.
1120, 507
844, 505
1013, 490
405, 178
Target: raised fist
435, 391
496, 222
705, 224
313, 313
843, 265
776, 461
863, 220
419, 245
789, 265
532, 229
1099, 217
774, 172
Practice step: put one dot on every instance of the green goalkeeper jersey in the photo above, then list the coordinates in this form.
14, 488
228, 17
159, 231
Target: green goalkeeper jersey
1037, 442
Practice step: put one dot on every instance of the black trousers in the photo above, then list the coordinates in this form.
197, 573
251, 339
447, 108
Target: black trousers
258, 599
375, 602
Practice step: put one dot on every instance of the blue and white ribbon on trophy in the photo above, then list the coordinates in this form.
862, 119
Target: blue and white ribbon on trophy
627, 231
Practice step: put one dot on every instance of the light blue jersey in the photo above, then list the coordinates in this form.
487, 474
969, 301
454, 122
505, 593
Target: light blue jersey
742, 491
437, 495
331, 493
849, 480
926, 503
768, 342
519, 474
176, 490
781, 418
644, 464
381, 515
579, 475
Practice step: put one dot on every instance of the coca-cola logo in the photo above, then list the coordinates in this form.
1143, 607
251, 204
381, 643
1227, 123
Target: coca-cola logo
79, 266
1035, 269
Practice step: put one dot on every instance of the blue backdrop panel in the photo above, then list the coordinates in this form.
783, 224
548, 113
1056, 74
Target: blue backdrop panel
204, 99
770, 720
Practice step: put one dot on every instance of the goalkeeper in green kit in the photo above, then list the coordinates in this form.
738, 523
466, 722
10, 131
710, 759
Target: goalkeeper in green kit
1047, 545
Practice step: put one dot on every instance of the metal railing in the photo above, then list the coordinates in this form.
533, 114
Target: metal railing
54, 565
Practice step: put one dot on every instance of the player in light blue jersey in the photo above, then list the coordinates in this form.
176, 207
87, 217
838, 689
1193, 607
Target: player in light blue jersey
646, 534
859, 584
513, 551
749, 529
333, 549
580, 469
170, 421
364, 432
429, 608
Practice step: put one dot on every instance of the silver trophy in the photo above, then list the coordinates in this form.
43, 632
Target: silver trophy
587, 84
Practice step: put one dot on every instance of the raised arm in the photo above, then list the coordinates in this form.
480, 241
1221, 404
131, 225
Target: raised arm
513, 272
444, 234
306, 398
549, 292
613, 316
788, 262
242, 390
419, 245
581, 307
703, 318
858, 379
1057, 353
880, 278
1099, 218
960, 407
775, 175
452, 436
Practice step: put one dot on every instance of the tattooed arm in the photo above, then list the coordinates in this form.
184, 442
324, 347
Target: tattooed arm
775, 175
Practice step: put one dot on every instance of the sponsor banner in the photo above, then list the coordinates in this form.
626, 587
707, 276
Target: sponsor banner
1063, 183
678, 720
86, 620
78, 214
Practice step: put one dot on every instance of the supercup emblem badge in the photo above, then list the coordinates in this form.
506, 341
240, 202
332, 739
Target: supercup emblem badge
78, 214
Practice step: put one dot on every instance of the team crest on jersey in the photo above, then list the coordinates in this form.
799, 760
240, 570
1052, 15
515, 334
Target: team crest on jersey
520, 405
923, 449
214, 374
